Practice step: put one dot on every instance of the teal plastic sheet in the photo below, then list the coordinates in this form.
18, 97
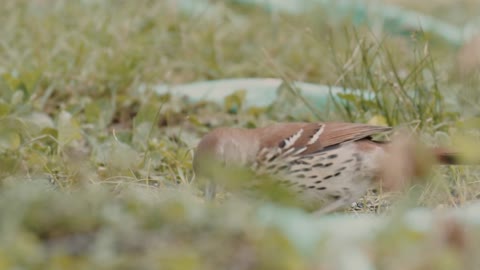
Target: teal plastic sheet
393, 18
260, 92
354, 231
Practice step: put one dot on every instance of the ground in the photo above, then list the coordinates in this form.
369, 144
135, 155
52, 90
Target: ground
95, 168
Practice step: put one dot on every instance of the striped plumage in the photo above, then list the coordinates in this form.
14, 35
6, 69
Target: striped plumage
329, 164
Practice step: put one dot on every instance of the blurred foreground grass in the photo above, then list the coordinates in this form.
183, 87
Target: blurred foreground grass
96, 173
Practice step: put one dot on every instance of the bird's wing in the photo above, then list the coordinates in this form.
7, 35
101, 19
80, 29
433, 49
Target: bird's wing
315, 137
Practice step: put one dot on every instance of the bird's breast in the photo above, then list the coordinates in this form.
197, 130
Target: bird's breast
341, 172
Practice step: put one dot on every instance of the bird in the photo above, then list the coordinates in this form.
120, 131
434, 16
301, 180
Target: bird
326, 164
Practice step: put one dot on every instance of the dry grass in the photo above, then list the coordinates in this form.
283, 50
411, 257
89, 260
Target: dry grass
95, 173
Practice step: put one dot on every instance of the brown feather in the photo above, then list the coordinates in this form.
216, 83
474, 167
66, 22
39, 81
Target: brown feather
333, 134
446, 156
332, 163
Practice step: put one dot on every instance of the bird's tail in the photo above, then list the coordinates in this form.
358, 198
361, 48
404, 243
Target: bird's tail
448, 156
409, 160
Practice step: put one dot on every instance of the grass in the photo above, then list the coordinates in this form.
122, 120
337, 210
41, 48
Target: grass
95, 172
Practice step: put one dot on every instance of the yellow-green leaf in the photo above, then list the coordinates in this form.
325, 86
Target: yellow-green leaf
9, 140
68, 128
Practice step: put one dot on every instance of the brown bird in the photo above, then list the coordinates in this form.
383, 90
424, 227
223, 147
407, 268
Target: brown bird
328, 164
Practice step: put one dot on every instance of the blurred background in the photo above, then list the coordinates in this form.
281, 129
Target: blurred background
103, 102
